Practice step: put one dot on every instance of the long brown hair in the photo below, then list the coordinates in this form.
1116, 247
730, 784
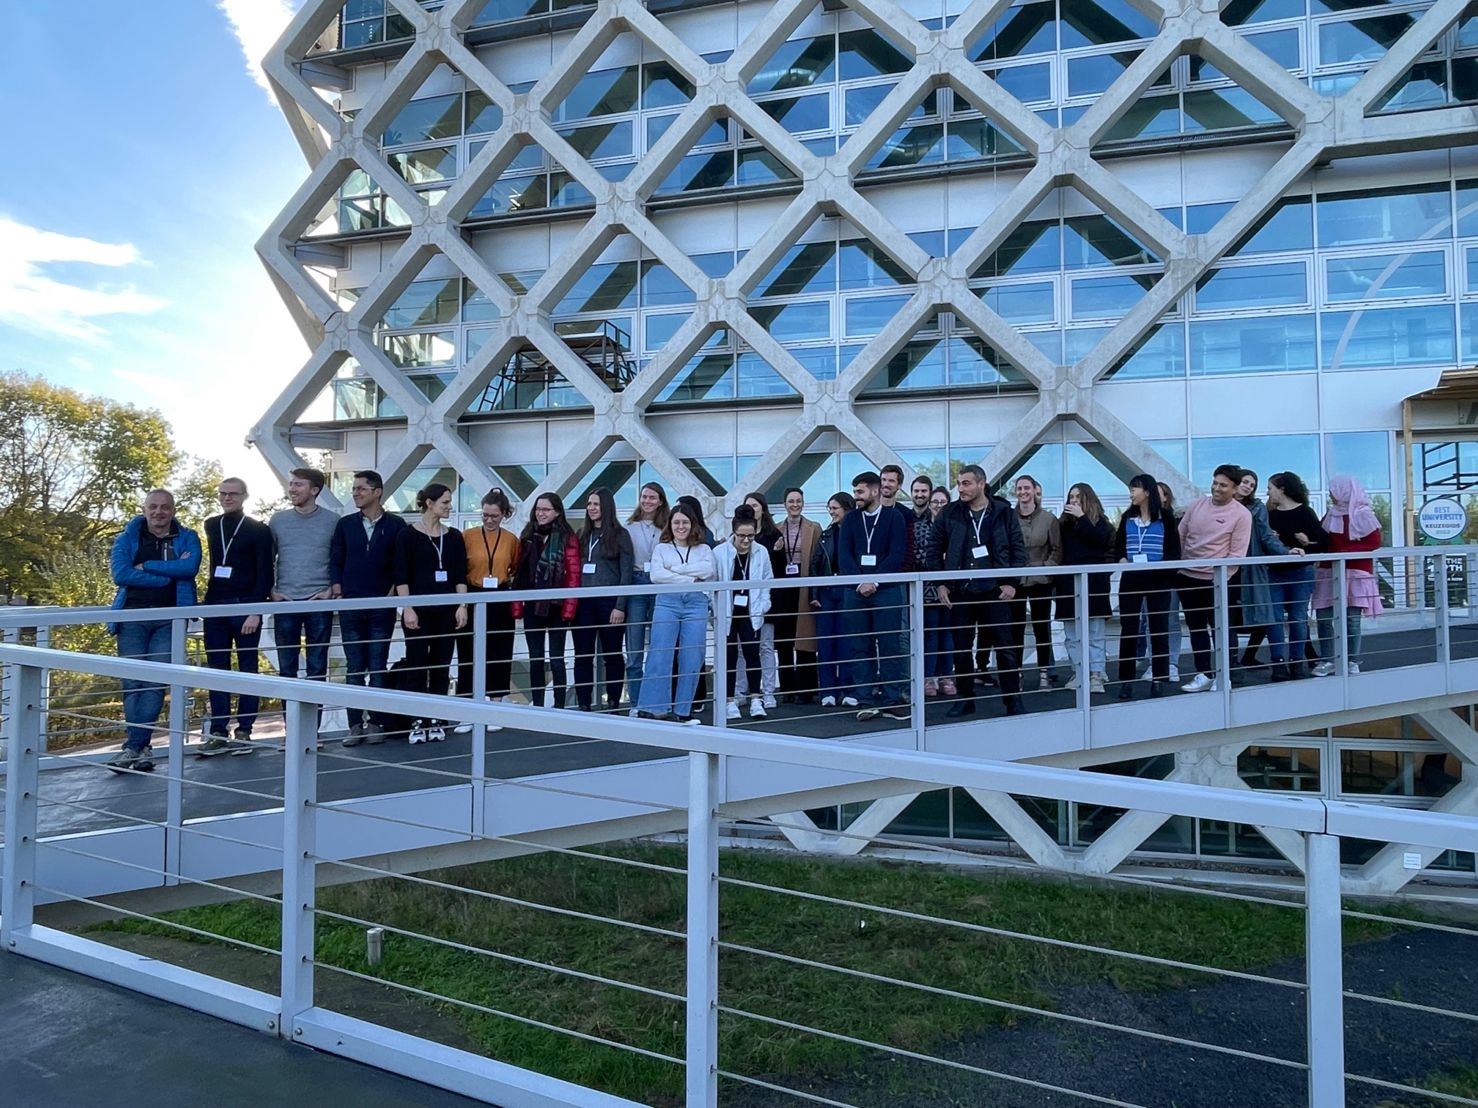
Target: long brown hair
659, 519
695, 532
1092, 506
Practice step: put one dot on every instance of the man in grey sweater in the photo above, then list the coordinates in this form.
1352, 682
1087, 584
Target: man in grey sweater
303, 535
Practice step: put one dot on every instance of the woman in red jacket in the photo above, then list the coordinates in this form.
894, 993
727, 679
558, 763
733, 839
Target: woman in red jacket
548, 558
1352, 525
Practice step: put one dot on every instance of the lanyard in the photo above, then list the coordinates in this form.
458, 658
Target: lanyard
792, 553
492, 570
977, 522
225, 543
742, 561
440, 539
1139, 533
594, 542
683, 552
870, 531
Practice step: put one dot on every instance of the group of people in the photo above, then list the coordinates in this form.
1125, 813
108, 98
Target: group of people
791, 636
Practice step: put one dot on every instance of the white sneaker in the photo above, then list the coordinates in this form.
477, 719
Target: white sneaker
632, 713
462, 729
1096, 682
769, 702
849, 702
436, 734
1175, 673
828, 702
1325, 669
1072, 683
732, 711
1199, 683
418, 733
1354, 668
756, 708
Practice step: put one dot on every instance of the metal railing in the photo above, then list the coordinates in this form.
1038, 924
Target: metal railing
731, 779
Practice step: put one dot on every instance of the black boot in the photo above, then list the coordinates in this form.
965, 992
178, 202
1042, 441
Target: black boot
1126, 690
1014, 706
964, 706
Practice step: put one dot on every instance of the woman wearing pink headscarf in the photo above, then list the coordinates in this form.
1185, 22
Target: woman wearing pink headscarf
1352, 525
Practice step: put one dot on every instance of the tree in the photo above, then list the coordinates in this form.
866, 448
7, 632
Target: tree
73, 470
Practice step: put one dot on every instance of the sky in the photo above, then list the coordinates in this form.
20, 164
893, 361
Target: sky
128, 219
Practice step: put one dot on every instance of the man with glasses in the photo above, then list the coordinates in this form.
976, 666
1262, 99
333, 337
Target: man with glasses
361, 564
240, 572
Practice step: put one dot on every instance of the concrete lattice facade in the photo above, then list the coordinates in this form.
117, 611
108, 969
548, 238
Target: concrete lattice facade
340, 124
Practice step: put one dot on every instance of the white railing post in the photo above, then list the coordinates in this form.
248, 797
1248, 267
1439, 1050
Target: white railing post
299, 819
1324, 957
479, 693
1224, 643
174, 783
1440, 603
917, 660
43, 640
1341, 619
702, 996
22, 784
1083, 669
722, 620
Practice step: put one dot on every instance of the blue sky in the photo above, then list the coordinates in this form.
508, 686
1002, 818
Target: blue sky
128, 219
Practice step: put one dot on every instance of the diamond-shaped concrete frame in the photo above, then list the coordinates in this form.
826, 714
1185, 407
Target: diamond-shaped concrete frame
1324, 128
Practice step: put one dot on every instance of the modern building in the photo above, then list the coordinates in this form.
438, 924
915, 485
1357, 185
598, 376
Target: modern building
747, 245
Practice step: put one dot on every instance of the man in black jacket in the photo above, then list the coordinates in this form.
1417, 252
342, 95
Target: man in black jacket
240, 572
361, 564
979, 531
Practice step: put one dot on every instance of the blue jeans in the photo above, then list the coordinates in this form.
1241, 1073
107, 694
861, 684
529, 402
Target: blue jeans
366, 637
679, 622
1328, 651
222, 635
832, 659
142, 701
288, 630
638, 626
874, 628
1291, 587
939, 642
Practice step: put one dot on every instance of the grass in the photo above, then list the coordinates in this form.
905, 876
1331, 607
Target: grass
1212, 931
1459, 1081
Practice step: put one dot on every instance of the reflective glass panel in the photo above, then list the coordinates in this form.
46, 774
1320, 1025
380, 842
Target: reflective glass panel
1147, 117
1470, 331
1387, 276
909, 146
1028, 83
657, 329
1385, 337
809, 267
1031, 303
661, 286
760, 167
1174, 451
1253, 286
1095, 22
1087, 76
482, 114
1364, 454
601, 140
798, 63
601, 288
1161, 353
1264, 453
1259, 344
1096, 240
436, 117
1222, 109
757, 378
866, 53
1239, 12
604, 92
795, 322
1361, 40
1029, 248
973, 361
1029, 28
864, 265
1281, 45
798, 114
419, 167
919, 365
966, 139
1289, 226
664, 87
1385, 215
431, 348
867, 315
425, 304
1467, 207
1108, 297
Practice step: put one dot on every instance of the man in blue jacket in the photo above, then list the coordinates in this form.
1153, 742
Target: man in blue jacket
154, 563
873, 539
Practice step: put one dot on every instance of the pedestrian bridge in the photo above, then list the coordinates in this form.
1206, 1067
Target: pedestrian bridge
301, 813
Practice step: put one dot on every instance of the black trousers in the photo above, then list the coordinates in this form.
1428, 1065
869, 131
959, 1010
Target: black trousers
428, 650
595, 633
498, 667
984, 619
743, 638
1157, 602
1198, 601
1033, 604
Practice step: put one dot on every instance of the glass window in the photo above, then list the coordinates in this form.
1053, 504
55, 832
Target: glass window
1031, 303
1148, 116
1364, 454
1028, 83
664, 87
1029, 28
1285, 769
798, 114
1029, 248
1222, 109
973, 361
1259, 344
1377, 772
1253, 286
1383, 215
601, 288
1161, 353
660, 286
864, 265
866, 53
1470, 332
760, 167
1093, 464
425, 304
601, 140
910, 146
1108, 297
1379, 339
810, 319
419, 167
436, 117
1264, 453
1175, 451
1471, 259
1095, 22
476, 307
919, 365
659, 328
1088, 76
1467, 208
1045, 463
1096, 240
604, 92
867, 315
427, 349
1281, 45
1240, 12
700, 171
1387, 276
798, 63
757, 378
809, 267
1361, 40
1289, 226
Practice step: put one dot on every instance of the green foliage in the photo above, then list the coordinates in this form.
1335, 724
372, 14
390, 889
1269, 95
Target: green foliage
73, 470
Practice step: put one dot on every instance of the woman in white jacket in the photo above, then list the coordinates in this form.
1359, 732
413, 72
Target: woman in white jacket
679, 620
736, 561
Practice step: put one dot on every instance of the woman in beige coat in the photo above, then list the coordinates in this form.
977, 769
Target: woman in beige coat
1040, 532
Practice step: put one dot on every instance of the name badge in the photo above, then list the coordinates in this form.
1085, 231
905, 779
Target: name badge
1139, 559
792, 571
441, 576
646, 567
868, 560
981, 551
221, 572
588, 567
741, 600
490, 582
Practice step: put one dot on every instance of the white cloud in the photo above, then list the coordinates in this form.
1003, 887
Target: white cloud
33, 301
256, 25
